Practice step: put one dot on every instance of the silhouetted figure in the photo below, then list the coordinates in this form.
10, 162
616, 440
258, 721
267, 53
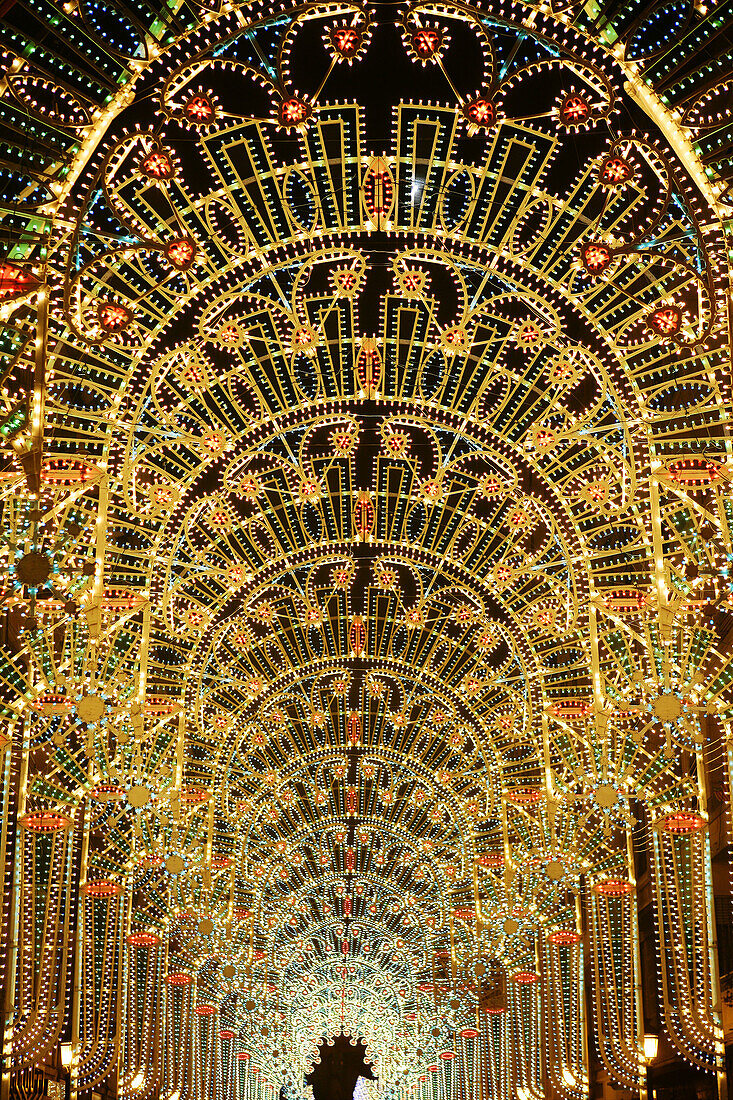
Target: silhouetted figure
335, 1076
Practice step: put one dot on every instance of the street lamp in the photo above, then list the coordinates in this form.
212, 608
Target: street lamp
651, 1046
67, 1055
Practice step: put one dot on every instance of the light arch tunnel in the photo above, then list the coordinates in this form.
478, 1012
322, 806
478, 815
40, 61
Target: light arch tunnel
366, 525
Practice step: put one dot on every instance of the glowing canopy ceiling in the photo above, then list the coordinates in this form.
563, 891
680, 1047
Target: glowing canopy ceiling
367, 533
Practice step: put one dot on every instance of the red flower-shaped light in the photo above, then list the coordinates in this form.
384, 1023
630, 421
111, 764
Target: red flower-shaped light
564, 937
345, 42
595, 257
199, 109
178, 977
455, 336
113, 317
304, 338
574, 110
665, 321
480, 112
525, 977
157, 165
102, 888
426, 43
523, 796
293, 112
345, 281
181, 253
15, 281
694, 472
615, 170
613, 888
683, 822
45, 822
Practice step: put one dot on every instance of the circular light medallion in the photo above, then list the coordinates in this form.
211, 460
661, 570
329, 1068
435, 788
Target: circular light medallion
90, 708
139, 796
667, 708
33, 568
606, 795
555, 870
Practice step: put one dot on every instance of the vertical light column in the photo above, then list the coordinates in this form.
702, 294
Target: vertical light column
100, 949
143, 1020
470, 1055
494, 1033
563, 1002
178, 1033
45, 865
613, 927
524, 1041
683, 895
13, 806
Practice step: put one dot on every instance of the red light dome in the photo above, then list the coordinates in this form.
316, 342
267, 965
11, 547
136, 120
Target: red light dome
613, 887
144, 939
525, 977
102, 888
45, 822
683, 822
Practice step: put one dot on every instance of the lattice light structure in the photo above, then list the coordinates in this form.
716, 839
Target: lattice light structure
366, 523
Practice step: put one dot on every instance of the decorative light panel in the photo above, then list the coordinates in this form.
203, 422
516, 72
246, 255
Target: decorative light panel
367, 522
